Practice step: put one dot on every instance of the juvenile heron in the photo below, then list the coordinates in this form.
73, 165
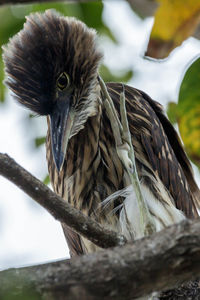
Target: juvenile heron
52, 69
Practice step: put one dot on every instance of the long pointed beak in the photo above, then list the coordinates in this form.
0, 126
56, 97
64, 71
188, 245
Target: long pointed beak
60, 123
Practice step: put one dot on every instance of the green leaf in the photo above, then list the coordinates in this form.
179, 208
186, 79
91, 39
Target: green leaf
172, 112
40, 141
92, 14
189, 111
189, 94
12, 290
107, 75
67, 9
31, 116
46, 180
2, 87
9, 26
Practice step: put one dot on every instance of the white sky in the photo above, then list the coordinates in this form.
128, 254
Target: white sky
28, 234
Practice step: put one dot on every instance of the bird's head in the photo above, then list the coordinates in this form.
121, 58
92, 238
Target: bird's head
51, 67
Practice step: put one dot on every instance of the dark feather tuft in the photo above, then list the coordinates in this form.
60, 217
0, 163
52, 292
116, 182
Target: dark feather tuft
48, 45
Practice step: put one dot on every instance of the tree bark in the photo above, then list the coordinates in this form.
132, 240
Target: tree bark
156, 263
144, 8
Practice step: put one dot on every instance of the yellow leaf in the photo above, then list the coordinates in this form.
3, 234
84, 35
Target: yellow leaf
189, 126
175, 20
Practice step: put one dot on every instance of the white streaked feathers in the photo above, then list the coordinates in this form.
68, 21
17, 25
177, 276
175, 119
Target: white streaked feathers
163, 213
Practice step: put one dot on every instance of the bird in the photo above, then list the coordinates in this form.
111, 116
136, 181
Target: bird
52, 69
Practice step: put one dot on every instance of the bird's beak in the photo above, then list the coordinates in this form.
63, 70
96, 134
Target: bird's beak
60, 123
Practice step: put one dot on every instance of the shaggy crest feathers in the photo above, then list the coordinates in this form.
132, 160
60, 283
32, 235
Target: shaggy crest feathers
48, 45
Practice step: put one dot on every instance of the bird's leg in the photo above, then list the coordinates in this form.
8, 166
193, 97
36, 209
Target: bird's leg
126, 153
111, 108
145, 217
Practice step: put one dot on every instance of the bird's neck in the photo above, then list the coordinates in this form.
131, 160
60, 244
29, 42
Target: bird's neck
92, 169
81, 161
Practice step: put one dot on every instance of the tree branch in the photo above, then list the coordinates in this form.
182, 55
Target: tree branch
144, 8
155, 263
57, 207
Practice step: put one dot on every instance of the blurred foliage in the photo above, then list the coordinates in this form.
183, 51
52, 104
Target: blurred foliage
172, 112
107, 75
13, 17
25, 295
174, 22
12, 289
189, 111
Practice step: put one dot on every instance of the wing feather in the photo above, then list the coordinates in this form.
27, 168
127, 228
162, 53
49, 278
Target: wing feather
162, 146
73, 241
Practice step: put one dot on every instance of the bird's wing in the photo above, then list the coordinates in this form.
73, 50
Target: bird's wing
73, 241
159, 144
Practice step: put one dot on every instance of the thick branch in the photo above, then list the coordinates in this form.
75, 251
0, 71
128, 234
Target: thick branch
59, 208
162, 261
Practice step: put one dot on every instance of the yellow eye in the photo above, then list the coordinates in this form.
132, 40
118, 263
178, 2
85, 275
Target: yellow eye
63, 81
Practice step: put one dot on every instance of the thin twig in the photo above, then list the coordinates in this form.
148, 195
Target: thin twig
59, 208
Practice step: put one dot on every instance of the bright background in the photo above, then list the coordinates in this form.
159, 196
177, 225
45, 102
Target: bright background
28, 234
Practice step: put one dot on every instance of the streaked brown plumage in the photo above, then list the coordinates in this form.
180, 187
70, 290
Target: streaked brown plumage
52, 68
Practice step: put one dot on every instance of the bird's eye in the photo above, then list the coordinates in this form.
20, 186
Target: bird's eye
63, 81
